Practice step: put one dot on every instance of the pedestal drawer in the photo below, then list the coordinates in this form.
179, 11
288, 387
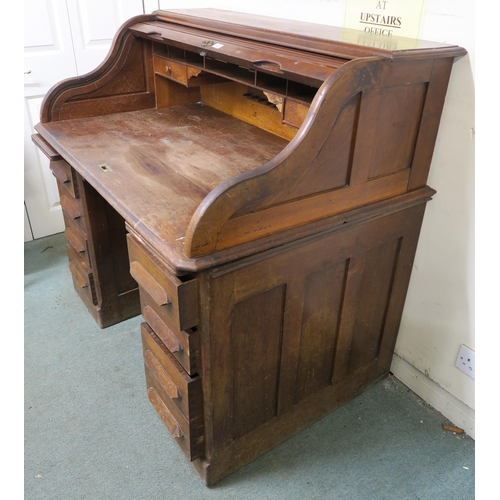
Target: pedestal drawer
82, 275
177, 296
66, 177
184, 345
77, 240
176, 396
73, 210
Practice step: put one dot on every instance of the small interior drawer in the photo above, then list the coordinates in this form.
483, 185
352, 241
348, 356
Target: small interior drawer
178, 296
294, 112
171, 69
189, 76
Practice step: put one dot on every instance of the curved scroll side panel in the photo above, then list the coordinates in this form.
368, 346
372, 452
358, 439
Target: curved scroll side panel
368, 136
115, 85
296, 172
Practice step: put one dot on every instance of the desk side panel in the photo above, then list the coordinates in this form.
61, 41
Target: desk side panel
368, 136
289, 335
123, 82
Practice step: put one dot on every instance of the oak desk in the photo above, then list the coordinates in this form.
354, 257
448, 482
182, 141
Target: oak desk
255, 188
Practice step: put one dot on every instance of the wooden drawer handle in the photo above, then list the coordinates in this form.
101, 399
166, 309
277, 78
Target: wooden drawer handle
78, 277
59, 172
269, 66
162, 330
164, 413
74, 241
68, 207
144, 278
156, 368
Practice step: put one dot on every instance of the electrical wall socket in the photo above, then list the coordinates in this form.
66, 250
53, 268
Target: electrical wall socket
466, 361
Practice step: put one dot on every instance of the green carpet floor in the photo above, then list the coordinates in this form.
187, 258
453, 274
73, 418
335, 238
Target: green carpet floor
90, 432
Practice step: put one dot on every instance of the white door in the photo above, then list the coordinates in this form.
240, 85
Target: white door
48, 58
62, 38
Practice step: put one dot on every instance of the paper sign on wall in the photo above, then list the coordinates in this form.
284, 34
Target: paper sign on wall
385, 18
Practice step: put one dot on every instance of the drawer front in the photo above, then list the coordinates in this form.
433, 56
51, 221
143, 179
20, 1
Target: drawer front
175, 395
184, 345
177, 297
82, 275
77, 240
72, 210
171, 69
160, 361
65, 176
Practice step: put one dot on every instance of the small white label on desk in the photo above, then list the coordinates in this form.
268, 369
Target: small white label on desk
217, 45
385, 18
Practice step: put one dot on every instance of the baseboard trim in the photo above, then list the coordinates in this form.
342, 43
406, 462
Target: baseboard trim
452, 408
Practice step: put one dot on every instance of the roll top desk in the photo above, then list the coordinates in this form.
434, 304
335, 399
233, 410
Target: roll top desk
255, 188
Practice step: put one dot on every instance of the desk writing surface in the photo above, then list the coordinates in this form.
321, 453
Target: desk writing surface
156, 166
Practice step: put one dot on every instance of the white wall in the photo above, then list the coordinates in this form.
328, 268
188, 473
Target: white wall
439, 315
439, 311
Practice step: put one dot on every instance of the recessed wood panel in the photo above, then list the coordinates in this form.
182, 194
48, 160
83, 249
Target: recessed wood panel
256, 347
399, 109
322, 301
132, 77
373, 299
330, 169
